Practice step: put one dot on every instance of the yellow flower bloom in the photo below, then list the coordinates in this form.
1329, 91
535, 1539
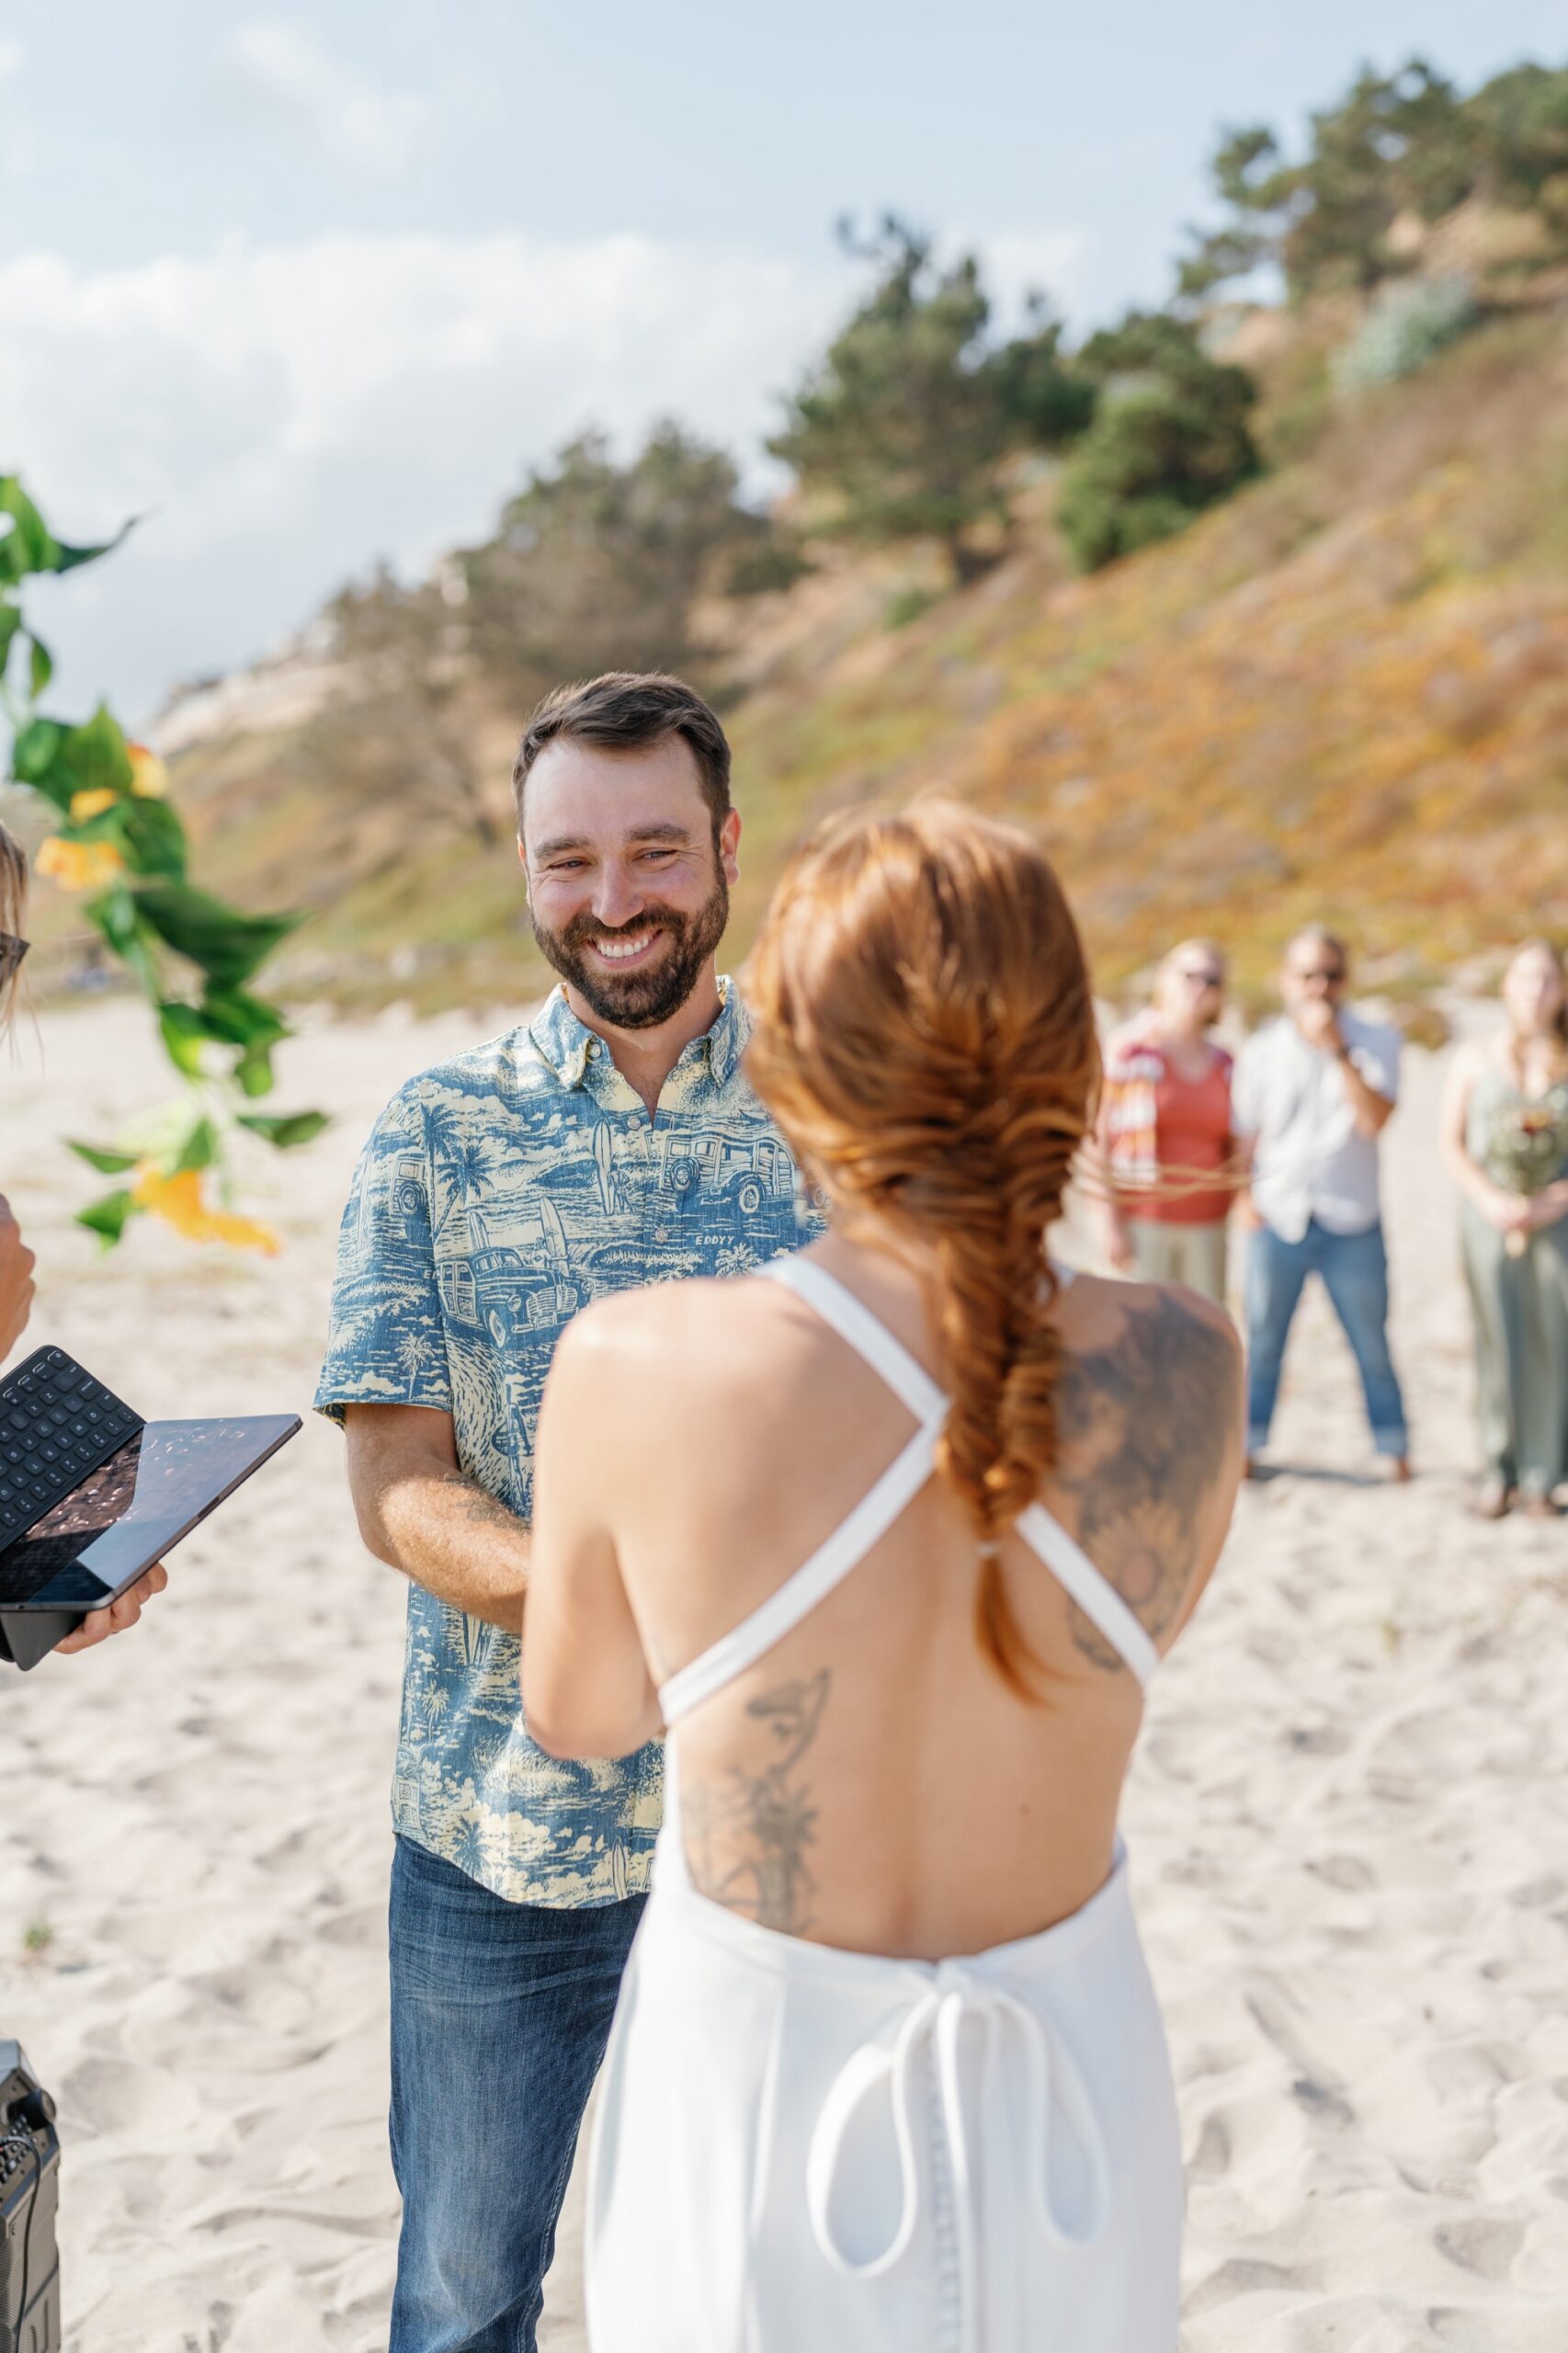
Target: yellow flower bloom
178, 1201
149, 777
92, 805
78, 866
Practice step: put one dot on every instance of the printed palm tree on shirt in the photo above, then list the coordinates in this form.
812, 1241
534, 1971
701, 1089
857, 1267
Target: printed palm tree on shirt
468, 1847
466, 1170
414, 1351
460, 1159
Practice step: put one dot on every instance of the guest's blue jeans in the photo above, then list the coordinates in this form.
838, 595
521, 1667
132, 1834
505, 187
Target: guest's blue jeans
1354, 1271
500, 2013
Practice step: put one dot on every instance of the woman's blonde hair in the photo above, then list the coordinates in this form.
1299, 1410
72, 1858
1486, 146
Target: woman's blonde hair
13, 912
924, 1037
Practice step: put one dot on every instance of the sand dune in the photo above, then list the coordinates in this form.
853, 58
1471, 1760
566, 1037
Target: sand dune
1347, 1825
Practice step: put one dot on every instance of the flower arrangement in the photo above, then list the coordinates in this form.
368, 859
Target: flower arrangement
1527, 1150
120, 842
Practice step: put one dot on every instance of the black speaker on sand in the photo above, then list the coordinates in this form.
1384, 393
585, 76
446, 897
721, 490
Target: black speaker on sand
29, 2204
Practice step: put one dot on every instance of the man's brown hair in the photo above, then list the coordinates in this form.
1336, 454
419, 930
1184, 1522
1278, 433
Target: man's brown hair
621, 712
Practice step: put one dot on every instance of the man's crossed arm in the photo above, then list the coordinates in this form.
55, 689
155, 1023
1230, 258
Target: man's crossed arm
421, 1513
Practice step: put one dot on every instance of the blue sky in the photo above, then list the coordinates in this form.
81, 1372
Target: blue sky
309, 286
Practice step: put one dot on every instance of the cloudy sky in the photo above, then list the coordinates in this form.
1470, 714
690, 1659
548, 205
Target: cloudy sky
311, 286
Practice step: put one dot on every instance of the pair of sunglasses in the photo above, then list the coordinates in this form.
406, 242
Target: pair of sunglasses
12, 951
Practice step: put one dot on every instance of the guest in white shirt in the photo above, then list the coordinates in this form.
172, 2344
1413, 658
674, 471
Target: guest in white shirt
1312, 1094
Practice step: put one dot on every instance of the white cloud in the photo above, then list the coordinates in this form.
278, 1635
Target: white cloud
282, 70
13, 57
281, 416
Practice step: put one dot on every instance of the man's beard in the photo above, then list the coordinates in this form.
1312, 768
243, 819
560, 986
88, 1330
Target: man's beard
655, 992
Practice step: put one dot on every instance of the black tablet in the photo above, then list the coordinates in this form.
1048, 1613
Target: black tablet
121, 1517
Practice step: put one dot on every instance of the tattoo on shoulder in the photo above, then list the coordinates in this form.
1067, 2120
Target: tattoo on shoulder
1143, 1428
748, 1833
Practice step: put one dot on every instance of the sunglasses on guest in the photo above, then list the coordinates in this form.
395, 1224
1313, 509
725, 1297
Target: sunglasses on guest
1201, 977
12, 951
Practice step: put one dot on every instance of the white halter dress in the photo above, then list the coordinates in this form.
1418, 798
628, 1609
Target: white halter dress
804, 2150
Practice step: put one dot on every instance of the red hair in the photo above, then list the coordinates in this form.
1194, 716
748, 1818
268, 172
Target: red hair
924, 1037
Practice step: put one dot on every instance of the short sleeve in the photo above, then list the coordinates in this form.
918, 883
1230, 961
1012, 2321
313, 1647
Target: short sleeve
1375, 1052
386, 1336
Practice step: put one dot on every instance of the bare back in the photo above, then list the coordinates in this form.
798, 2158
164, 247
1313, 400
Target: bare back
871, 1782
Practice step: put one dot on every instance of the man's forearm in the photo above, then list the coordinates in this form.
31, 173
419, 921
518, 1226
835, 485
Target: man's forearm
1370, 1110
459, 1541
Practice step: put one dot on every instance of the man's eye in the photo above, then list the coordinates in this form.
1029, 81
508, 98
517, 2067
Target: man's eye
565, 866
660, 856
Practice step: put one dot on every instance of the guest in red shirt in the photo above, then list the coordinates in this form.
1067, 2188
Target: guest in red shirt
1165, 1127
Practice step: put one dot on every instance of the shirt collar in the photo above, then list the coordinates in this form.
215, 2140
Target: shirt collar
568, 1044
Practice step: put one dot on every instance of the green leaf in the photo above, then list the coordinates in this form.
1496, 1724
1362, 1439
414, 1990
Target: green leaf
117, 914
241, 1019
109, 1215
108, 1164
30, 546
185, 1033
153, 838
253, 1070
10, 623
292, 1128
227, 946
199, 1149
65, 761
42, 667
33, 753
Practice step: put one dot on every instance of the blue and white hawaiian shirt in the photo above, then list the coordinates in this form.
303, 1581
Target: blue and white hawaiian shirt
498, 1194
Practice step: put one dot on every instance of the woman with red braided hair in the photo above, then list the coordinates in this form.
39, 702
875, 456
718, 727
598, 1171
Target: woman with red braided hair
890, 1538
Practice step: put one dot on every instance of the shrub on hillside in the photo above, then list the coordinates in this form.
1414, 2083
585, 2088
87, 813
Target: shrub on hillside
901, 430
1406, 329
1170, 437
1397, 151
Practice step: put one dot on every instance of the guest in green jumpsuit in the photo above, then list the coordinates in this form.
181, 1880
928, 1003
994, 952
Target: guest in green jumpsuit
1506, 1137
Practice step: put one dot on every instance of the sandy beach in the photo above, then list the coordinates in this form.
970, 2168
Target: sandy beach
1346, 1821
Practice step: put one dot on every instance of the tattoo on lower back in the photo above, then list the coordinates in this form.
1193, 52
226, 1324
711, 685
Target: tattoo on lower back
748, 1834
1142, 1426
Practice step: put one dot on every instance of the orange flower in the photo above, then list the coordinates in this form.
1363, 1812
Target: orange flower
149, 777
92, 803
178, 1201
79, 866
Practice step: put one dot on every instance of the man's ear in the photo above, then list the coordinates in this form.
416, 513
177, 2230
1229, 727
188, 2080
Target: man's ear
729, 845
523, 862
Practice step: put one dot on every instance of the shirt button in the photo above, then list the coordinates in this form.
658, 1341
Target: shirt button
661, 1234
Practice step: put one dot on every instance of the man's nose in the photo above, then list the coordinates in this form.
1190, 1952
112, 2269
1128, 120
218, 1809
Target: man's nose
617, 899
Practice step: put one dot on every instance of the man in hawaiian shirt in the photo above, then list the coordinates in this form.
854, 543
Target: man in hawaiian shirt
611, 1141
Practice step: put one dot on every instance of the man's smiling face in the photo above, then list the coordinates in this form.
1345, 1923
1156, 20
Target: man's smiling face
628, 892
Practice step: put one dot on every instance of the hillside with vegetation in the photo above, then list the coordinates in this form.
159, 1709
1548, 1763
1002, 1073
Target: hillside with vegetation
1257, 605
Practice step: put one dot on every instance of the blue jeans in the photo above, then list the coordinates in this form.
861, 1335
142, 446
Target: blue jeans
1354, 1271
500, 2013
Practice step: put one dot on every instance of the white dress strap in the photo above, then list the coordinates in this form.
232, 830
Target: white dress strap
876, 1512
854, 1323
811, 1582
1094, 1593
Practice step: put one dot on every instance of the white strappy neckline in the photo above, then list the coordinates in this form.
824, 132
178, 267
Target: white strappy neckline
878, 1509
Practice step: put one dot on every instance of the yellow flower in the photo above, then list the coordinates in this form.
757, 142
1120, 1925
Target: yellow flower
92, 805
178, 1201
78, 866
149, 777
